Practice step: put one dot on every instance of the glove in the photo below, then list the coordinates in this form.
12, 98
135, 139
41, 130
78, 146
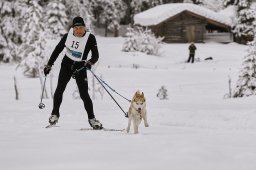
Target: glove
88, 65
47, 69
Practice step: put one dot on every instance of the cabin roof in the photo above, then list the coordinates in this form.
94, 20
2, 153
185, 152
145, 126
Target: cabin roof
158, 14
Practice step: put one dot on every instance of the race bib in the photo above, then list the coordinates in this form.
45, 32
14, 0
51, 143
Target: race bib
75, 45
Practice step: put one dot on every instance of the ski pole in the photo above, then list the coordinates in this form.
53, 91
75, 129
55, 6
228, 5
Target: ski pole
125, 114
41, 104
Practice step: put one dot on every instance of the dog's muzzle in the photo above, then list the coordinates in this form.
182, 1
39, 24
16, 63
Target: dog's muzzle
139, 110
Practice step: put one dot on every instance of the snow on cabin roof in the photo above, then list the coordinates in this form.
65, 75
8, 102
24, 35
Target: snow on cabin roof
160, 13
230, 11
253, 5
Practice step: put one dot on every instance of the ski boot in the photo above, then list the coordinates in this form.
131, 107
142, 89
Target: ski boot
53, 119
95, 124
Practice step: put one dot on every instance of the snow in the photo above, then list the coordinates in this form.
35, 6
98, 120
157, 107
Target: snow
196, 128
230, 11
253, 5
160, 13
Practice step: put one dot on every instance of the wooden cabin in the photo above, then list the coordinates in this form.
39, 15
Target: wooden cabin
182, 23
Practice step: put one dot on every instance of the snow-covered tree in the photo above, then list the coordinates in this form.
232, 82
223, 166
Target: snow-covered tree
198, 1
130, 44
108, 13
142, 40
112, 14
142, 5
215, 5
9, 31
97, 10
246, 84
117, 15
162, 93
244, 27
137, 6
230, 2
32, 49
80, 8
56, 18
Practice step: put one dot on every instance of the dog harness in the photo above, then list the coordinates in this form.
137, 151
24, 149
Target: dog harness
75, 45
139, 111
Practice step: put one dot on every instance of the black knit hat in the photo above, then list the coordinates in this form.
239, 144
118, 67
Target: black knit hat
78, 21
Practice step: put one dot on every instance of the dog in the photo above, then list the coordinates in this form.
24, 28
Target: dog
137, 112
208, 58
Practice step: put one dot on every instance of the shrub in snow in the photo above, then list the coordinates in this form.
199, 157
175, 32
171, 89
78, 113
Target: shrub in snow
162, 93
142, 40
246, 84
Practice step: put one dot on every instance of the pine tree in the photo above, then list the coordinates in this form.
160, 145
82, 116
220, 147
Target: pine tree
197, 2
97, 10
112, 14
130, 44
10, 37
80, 8
56, 18
32, 49
244, 27
246, 84
108, 13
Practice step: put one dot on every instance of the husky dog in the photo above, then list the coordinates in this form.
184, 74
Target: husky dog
137, 111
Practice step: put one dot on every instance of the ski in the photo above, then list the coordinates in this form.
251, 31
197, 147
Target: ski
87, 129
51, 126
103, 129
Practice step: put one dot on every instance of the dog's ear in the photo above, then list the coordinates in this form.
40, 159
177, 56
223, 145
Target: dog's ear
137, 92
142, 94
134, 96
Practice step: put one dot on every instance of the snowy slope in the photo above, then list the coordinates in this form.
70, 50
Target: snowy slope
196, 129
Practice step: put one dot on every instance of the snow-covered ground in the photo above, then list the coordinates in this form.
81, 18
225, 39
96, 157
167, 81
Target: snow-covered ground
196, 129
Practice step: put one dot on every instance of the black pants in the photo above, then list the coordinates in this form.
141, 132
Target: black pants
66, 71
191, 57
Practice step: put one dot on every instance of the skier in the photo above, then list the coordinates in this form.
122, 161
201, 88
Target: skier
78, 42
192, 50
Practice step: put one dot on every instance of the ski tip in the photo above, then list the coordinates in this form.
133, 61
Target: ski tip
50, 126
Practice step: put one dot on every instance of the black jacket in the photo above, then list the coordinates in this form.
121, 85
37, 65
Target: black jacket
192, 49
90, 45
